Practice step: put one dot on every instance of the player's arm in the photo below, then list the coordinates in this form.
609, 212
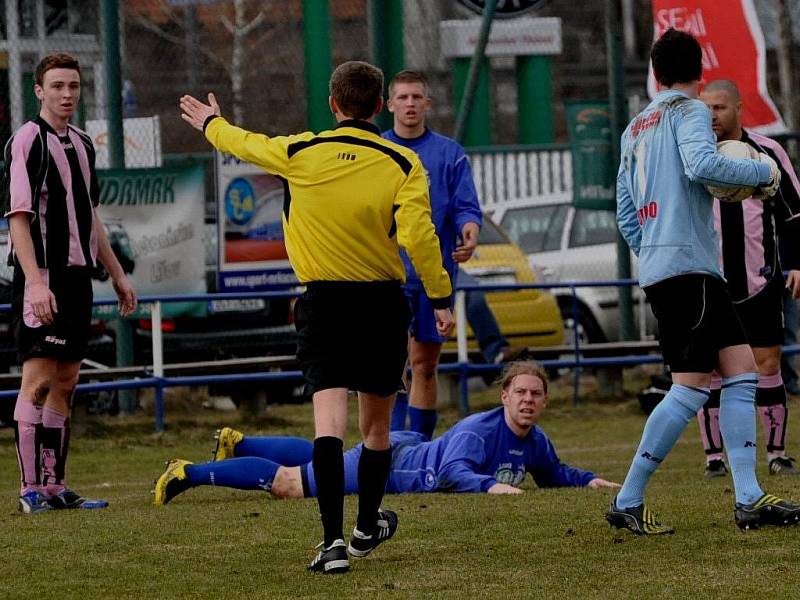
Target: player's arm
468, 215
258, 149
627, 220
548, 470
459, 470
698, 151
126, 295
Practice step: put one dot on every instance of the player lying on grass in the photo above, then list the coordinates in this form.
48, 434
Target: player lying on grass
486, 452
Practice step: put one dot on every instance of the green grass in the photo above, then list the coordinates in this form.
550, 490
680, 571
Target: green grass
544, 544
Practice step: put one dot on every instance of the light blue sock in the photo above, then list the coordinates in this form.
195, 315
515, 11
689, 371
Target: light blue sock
284, 450
399, 412
737, 422
246, 473
663, 428
422, 420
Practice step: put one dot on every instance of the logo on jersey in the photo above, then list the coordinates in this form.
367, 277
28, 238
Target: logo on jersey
346, 156
645, 122
54, 340
648, 211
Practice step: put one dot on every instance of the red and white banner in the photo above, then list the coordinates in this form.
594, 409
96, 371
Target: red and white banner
733, 48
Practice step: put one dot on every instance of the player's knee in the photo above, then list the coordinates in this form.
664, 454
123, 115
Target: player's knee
425, 368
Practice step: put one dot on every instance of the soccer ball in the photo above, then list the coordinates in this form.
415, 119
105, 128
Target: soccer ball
736, 193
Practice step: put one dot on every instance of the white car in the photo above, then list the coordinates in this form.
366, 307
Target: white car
568, 244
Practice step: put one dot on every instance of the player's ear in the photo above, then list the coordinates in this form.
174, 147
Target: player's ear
332, 104
38, 91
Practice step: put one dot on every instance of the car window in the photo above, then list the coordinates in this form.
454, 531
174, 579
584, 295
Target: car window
536, 228
490, 234
592, 227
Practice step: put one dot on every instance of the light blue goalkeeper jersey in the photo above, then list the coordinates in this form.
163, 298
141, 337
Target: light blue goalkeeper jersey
668, 152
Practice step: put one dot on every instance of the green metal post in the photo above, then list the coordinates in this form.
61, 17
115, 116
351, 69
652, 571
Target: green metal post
616, 95
386, 44
473, 123
317, 44
116, 157
534, 100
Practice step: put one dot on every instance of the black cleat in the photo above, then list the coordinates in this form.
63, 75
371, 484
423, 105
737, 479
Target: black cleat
637, 519
783, 465
67, 499
362, 544
767, 510
332, 559
715, 468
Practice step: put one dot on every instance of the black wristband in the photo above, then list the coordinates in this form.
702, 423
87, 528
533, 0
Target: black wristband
208, 120
440, 303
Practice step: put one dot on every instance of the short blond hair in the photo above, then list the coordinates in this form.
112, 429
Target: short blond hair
527, 367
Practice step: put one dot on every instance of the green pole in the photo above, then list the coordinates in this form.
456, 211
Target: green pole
123, 329
317, 45
477, 78
386, 44
534, 100
616, 94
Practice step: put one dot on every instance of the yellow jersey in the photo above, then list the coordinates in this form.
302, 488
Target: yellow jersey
350, 198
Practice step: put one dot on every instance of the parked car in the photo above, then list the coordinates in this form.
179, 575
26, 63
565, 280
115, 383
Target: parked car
563, 243
526, 317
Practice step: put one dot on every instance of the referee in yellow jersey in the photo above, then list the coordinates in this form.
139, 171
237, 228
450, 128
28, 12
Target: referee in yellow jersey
351, 198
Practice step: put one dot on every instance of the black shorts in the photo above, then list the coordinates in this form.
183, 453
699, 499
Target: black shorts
352, 335
696, 319
762, 315
67, 337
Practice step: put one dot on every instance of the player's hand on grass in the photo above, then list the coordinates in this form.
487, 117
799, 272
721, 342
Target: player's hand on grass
770, 188
42, 301
793, 283
598, 483
504, 488
126, 295
444, 321
469, 237
196, 112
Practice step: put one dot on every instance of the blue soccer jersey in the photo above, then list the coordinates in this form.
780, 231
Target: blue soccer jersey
454, 200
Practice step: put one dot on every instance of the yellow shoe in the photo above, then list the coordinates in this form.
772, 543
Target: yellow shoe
227, 439
172, 482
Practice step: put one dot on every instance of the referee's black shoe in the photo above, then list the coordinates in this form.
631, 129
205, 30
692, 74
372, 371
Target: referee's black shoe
637, 519
767, 510
362, 544
332, 559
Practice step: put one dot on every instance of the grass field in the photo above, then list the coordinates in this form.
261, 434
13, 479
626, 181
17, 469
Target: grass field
214, 543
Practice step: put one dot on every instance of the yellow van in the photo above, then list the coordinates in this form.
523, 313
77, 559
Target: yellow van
526, 317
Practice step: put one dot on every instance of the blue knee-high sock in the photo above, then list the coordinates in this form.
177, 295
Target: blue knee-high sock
663, 428
737, 421
422, 420
284, 450
246, 473
399, 412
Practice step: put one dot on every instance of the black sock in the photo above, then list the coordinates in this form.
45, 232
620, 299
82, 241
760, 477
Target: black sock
373, 473
328, 463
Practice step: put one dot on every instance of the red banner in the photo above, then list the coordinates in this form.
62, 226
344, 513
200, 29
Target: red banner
733, 48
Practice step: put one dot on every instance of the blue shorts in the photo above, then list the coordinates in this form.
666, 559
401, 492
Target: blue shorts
423, 320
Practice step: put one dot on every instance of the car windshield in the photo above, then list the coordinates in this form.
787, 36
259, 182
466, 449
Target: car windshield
536, 228
592, 227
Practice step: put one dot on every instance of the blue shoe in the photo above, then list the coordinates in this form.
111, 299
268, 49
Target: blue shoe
69, 499
33, 502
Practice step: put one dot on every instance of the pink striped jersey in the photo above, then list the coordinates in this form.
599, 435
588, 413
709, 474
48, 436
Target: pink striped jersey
52, 178
749, 231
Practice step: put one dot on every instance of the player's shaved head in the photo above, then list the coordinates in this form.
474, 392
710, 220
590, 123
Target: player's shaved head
724, 85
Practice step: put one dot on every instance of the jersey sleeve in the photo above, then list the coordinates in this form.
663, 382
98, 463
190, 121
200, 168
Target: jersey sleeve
271, 154
698, 150
627, 220
23, 158
416, 233
548, 471
459, 470
467, 207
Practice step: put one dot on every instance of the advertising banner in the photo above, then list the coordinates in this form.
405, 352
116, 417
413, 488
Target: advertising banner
733, 48
252, 255
593, 169
154, 222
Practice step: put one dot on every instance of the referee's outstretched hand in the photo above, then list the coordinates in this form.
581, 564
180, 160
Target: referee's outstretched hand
444, 321
196, 112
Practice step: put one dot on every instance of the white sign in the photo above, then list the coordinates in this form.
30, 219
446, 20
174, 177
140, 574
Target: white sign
519, 37
142, 142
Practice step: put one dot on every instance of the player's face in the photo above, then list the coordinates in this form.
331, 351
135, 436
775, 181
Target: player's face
524, 400
725, 114
409, 103
59, 94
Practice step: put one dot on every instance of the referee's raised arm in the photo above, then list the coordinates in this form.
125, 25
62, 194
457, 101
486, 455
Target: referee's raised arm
351, 198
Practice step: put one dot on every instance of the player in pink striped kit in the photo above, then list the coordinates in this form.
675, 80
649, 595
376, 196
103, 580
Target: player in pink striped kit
749, 234
52, 194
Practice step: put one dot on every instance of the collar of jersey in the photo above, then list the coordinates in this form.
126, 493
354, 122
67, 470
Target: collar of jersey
40, 121
359, 124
